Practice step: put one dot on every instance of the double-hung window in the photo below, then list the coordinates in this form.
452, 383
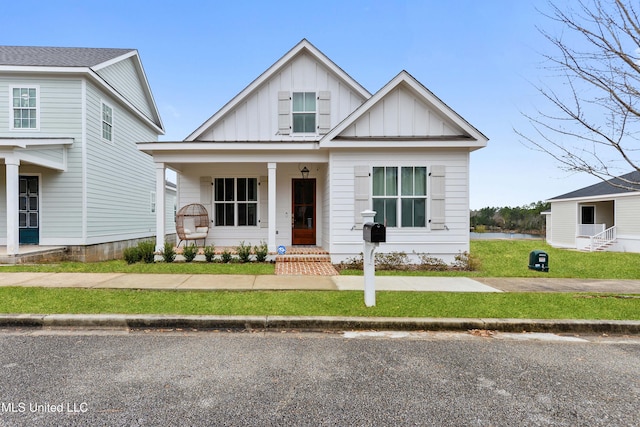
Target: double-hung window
236, 201
304, 112
24, 102
400, 196
107, 122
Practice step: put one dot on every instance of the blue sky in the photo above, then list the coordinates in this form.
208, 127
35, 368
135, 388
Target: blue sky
480, 57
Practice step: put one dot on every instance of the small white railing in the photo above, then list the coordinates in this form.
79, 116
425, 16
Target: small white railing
603, 238
590, 229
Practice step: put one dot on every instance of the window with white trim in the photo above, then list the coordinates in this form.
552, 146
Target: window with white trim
152, 200
400, 196
304, 112
236, 201
107, 122
24, 107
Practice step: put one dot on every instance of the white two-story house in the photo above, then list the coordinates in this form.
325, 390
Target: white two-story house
299, 153
71, 176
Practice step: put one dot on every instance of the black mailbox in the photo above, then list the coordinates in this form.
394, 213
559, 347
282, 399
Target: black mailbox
374, 232
539, 260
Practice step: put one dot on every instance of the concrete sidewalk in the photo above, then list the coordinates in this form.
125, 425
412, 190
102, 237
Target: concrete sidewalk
239, 282
281, 282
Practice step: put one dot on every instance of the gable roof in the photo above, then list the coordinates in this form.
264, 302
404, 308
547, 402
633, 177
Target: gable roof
605, 188
304, 46
470, 136
41, 59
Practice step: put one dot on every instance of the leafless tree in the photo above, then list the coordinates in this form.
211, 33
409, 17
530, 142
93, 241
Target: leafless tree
593, 123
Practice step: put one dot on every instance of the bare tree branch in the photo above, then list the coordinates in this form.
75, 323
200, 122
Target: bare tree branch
593, 124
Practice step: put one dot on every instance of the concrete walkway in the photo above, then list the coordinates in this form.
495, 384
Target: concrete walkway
239, 282
342, 283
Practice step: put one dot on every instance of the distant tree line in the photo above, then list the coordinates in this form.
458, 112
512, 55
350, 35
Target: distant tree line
523, 219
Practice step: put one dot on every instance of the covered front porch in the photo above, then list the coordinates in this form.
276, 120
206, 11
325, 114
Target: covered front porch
25, 160
596, 229
265, 194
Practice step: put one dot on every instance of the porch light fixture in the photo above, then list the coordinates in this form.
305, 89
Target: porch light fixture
305, 173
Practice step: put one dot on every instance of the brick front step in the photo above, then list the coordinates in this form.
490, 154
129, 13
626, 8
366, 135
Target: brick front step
306, 268
303, 258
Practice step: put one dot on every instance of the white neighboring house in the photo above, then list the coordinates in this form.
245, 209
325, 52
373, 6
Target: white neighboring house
70, 172
298, 154
598, 217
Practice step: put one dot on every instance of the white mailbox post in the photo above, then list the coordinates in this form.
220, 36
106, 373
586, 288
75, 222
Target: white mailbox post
369, 263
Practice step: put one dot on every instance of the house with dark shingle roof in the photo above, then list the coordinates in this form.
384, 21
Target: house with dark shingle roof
603, 216
71, 176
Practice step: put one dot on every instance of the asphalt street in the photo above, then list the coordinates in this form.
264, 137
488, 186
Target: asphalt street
180, 377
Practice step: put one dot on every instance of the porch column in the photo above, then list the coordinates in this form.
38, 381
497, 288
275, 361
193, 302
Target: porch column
160, 205
13, 234
271, 240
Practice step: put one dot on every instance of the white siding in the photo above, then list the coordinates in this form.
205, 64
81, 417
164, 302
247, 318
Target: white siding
402, 113
170, 210
563, 226
256, 118
627, 218
120, 178
189, 192
124, 77
346, 241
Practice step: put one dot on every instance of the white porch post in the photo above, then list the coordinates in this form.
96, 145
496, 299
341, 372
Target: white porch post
271, 241
12, 166
160, 206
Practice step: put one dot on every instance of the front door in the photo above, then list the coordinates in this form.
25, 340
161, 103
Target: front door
303, 217
28, 210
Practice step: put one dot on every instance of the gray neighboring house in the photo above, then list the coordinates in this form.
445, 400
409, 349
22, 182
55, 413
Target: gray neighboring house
71, 176
598, 217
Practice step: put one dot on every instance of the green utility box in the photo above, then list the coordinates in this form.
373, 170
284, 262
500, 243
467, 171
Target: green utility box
539, 260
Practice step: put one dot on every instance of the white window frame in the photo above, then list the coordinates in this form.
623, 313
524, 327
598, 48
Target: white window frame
399, 197
36, 108
314, 112
235, 202
103, 122
152, 201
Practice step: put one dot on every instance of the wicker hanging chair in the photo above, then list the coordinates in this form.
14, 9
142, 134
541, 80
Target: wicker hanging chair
192, 223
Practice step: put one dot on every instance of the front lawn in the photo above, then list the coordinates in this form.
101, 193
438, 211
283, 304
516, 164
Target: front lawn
320, 303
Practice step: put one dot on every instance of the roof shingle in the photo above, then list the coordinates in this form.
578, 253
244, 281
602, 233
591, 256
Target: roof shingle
57, 56
605, 188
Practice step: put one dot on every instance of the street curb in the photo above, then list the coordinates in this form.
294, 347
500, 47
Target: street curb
317, 323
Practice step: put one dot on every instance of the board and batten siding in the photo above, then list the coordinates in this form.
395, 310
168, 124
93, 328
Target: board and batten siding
346, 237
564, 222
256, 118
120, 178
401, 113
60, 106
124, 77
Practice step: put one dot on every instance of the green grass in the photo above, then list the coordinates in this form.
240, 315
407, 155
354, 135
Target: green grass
119, 266
316, 303
510, 258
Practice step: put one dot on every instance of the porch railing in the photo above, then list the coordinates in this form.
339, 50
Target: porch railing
603, 238
590, 229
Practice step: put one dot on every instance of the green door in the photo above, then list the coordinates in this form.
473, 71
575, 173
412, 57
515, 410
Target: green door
28, 210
